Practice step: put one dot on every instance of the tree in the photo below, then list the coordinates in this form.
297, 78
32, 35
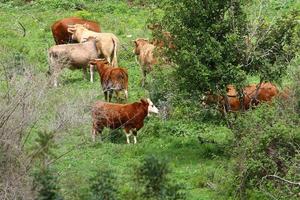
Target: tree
217, 46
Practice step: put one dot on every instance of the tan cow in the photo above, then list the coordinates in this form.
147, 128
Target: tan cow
144, 52
107, 43
72, 56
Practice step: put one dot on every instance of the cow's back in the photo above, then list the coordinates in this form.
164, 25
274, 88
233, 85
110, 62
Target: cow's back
60, 28
112, 115
146, 55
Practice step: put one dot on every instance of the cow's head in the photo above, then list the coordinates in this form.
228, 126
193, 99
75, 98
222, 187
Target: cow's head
98, 61
138, 44
76, 30
151, 107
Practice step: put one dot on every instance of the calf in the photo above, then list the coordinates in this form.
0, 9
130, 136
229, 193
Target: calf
60, 28
129, 116
72, 56
113, 79
144, 52
107, 43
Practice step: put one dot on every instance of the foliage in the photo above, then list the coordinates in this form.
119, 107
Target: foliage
270, 46
103, 186
152, 178
267, 143
208, 37
217, 45
46, 185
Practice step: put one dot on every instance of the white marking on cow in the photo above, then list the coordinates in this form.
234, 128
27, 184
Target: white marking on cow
134, 138
151, 107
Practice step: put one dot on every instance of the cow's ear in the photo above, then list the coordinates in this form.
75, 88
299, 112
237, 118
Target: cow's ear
144, 101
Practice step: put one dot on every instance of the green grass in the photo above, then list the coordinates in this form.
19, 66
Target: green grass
204, 169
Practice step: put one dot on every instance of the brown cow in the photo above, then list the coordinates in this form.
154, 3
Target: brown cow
113, 79
60, 29
113, 116
253, 95
144, 52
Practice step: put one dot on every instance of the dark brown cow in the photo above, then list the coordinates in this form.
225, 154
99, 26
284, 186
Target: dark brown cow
113, 79
60, 29
129, 116
253, 95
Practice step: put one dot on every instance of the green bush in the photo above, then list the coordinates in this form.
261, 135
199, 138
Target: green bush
103, 186
151, 177
46, 185
267, 143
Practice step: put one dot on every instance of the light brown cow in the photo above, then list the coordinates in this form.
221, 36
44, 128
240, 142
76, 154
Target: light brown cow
130, 116
72, 56
144, 52
113, 79
253, 95
107, 43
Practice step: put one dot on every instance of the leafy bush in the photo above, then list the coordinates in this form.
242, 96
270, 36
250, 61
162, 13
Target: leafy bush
45, 183
151, 177
103, 186
267, 144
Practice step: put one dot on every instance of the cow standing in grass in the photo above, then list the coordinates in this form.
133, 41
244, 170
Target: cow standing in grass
144, 52
128, 116
107, 43
72, 56
113, 79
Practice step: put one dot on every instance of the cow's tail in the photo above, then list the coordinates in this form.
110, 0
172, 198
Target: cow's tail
114, 59
122, 80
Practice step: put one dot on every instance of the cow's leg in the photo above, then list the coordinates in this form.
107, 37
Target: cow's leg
95, 131
55, 77
144, 77
105, 95
118, 95
134, 132
110, 95
108, 59
94, 134
126, 94
127, 137
127, 133
92, 73
84, 73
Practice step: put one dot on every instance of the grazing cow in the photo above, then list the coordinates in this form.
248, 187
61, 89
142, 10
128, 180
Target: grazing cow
107, 43
129, 116
60, 28
253, 95
112, 78
72, 56
144, 52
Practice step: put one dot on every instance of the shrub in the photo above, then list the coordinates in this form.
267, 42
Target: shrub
267, 144
103, 186
45, 183
151, 177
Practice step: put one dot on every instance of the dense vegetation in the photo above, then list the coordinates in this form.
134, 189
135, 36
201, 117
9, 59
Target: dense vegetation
187, 151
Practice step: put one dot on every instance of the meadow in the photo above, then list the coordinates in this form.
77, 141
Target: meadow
205, 169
